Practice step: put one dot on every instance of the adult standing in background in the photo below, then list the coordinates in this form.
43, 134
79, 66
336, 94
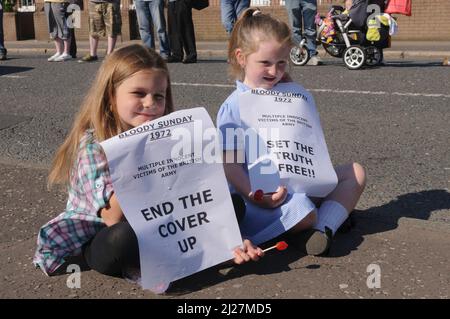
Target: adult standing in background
55, 12
301, 15
230, 10
104, 19
181, 31
73, 7
151, 13
2, 43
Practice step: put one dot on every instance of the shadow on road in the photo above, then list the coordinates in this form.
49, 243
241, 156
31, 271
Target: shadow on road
388, 63
384, 218
410, 64
5, 70
273, 262
374, 220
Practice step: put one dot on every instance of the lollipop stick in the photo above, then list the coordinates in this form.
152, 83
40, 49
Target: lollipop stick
270, 248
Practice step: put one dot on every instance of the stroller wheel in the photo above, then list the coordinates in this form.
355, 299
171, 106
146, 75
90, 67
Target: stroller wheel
374, 56
354, 57
299, 55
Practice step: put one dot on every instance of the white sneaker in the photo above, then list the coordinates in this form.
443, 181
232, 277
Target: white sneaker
53, 57
63, 57
314, 60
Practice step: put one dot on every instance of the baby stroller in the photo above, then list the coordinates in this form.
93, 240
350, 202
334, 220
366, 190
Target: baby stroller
345, 35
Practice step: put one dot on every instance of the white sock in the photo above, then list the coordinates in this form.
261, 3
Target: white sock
331, 214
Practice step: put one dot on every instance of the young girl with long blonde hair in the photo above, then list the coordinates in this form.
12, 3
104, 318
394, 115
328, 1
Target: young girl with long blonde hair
132, 86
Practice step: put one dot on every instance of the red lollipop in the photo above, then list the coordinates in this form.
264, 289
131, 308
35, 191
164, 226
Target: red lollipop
259, 194
281, 245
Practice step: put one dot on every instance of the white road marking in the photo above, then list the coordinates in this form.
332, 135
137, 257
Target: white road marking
327, 90
348, 91
203, 84
13, 76
421, 94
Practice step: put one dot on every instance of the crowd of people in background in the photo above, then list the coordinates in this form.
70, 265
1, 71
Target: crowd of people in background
176, 37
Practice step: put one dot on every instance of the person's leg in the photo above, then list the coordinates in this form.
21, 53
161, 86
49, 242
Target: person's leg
113, 24
157, 13
309, 11
96, 29
66, 44
307, 239
52, 30
176, 44
188, 33
306, 223
314, 233
72, 9
145, 22
113, 251
111, 44
295, 19
2, 43
337, 206
63, 30
59, 45
227, 14
240, 6
93, 45
73, 44
351, 184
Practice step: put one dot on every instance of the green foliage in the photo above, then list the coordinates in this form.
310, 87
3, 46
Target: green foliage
8, 5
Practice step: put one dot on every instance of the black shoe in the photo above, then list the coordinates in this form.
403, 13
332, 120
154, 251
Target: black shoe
188, 61
312, 241
88, 58
172, 59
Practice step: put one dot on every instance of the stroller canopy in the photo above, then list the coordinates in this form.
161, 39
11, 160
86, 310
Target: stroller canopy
358, 11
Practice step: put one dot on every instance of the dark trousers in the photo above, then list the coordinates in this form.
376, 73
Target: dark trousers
114, 250
73, 43
2, 43
181, 30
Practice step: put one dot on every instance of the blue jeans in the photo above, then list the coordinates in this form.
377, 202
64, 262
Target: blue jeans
2, 43
303, 11
230, 10
149, 13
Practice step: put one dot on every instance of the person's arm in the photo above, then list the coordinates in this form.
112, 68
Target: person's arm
237, 177
247, 252
235, 174
112, 213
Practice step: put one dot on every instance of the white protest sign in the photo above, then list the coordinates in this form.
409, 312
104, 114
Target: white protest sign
285, 144
178, 205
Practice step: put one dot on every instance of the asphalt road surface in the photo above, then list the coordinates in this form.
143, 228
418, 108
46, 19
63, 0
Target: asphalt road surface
392, 119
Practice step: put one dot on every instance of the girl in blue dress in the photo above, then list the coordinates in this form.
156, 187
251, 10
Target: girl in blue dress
258, 53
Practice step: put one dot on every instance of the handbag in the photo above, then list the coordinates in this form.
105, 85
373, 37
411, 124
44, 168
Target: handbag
200, 4
399, 7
